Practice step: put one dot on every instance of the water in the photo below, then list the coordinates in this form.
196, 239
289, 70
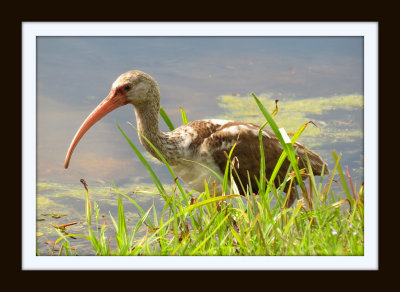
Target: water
75, 73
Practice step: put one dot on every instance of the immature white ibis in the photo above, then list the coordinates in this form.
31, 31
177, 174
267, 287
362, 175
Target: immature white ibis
203, 141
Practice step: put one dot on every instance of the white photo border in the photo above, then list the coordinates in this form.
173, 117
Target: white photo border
32, 30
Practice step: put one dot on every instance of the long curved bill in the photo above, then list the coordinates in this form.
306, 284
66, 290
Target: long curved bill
114, 100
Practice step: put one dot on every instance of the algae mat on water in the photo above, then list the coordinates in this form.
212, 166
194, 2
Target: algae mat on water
339, 118
64, 204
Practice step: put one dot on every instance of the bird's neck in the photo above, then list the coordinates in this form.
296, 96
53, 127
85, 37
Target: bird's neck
147, 122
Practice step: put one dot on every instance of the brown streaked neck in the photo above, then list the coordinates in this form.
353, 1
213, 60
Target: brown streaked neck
147, 114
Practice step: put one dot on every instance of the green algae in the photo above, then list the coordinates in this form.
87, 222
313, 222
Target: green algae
238, 106
64, 203
45, 186
52, 196
44, 202
54, 215
334, 116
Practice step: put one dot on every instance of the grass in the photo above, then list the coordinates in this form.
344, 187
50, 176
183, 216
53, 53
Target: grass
323, 222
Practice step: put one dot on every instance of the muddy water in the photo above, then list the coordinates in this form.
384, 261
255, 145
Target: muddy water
317, 79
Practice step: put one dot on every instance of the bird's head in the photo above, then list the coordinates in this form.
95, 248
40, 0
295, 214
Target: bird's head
134, 87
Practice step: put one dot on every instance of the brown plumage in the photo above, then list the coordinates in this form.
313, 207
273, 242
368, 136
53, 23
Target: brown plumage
204, 141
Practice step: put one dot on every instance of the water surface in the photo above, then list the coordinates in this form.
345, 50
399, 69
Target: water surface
74, 74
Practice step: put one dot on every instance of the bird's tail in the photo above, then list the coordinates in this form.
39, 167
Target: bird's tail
315, 160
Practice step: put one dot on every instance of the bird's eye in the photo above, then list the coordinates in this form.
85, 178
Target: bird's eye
127, 87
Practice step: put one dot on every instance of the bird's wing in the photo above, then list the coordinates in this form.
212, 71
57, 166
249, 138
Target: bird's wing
246, 154
211, 141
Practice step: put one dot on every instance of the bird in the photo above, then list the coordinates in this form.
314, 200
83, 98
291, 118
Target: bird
195, 148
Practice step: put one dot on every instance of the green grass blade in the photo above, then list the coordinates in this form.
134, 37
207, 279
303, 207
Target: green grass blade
121, 220
136, 204
238, 237
342, 178
208, 237
139, 224
203, 233
289, 225
166, 164
262, 159
288, 149
153, 176
71, 235
205, 202
284, 155
191, 207
227, 168
184, 118
205, 166
166, 119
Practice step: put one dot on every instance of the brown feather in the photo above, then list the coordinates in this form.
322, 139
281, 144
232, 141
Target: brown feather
247, 152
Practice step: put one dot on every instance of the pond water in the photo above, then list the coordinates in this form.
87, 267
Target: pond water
314, 78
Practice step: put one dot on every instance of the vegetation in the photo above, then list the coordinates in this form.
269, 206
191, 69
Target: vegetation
323, 222
323, 111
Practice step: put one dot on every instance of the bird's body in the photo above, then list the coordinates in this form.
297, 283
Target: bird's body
190, 147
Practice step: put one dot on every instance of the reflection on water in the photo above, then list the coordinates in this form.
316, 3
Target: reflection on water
209, 77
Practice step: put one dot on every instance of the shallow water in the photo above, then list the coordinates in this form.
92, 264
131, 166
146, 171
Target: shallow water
314, 78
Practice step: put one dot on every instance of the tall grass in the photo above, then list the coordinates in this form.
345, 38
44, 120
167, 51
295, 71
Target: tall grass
321, 223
